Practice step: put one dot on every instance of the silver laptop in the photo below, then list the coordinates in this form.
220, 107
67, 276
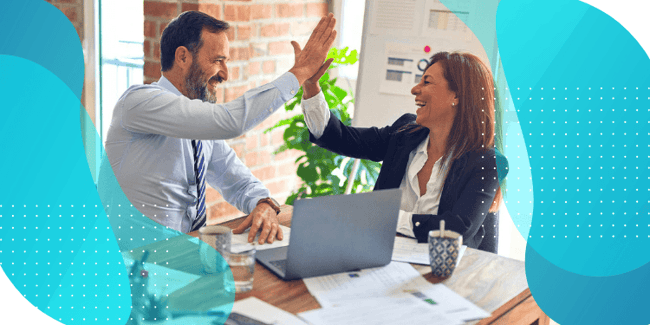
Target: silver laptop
338, 233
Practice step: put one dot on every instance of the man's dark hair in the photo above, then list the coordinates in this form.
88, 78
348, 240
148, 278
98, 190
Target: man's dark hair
185, 30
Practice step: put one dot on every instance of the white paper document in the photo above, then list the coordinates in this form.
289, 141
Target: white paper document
343, 288
264, 312
240, 241
408, 250
452, 304
379, 312
385, 284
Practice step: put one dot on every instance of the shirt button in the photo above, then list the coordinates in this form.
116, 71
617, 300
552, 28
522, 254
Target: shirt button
417, 224
293, 92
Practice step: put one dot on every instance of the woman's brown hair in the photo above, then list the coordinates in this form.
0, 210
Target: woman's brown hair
473, 128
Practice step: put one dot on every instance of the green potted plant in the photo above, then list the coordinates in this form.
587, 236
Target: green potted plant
318, 168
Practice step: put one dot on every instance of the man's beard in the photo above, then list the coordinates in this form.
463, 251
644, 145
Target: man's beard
196, 87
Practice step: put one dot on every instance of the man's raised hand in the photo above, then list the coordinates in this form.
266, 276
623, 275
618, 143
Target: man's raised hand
309, 61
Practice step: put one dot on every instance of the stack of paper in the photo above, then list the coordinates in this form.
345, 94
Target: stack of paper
371, 296
377, 312
240, 241
408, 250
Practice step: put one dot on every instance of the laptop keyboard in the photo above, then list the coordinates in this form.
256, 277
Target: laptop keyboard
280, 264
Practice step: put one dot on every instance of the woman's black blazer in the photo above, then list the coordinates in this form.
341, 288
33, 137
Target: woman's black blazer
468, 190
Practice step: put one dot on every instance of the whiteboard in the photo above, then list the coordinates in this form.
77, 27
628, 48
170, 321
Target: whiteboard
399, 36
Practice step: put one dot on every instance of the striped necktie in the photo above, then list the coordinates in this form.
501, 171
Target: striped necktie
199, 170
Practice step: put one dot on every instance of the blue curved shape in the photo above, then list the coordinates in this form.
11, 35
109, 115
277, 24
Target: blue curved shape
57, 247
166, 249
580, 86
41, 33
571, 298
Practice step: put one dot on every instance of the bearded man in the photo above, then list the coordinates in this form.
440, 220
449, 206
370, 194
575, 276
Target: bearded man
166, 139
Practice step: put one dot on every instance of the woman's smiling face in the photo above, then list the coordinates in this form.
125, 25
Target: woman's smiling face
435, 101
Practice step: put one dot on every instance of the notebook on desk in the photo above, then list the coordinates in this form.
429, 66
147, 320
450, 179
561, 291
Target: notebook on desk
336, 234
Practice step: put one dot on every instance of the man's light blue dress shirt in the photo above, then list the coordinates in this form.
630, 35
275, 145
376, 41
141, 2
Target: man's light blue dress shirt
149, 147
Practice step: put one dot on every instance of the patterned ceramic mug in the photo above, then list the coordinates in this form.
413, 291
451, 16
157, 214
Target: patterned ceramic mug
444, 246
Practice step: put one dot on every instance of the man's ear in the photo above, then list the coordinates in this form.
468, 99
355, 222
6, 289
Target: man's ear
183, 58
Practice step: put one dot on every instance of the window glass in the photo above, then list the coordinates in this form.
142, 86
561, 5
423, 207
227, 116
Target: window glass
121, 31
351, 30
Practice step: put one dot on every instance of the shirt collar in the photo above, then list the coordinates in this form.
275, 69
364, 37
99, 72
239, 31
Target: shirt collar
165, 83
422, 147
418, 158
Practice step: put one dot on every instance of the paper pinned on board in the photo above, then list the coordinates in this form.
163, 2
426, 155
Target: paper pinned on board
404, 66
439, 21
394, 17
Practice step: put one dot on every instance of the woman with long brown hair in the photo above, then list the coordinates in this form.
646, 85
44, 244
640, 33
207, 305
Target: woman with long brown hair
443, 158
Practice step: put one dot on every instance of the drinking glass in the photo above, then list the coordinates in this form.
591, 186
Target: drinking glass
241, 260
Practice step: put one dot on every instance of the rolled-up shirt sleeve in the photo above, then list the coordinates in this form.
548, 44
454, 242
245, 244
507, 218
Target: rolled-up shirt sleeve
158, 111
317, 114
405, 223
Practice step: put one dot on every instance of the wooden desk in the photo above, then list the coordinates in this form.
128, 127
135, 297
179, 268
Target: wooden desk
492, 282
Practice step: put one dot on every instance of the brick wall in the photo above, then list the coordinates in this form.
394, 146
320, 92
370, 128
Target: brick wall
260, 50
74, 10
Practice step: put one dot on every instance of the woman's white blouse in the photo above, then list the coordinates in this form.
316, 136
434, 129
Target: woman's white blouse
412, 202
317, 115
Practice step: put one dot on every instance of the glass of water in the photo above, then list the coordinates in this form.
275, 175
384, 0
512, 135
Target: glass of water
242, 264
213, 245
